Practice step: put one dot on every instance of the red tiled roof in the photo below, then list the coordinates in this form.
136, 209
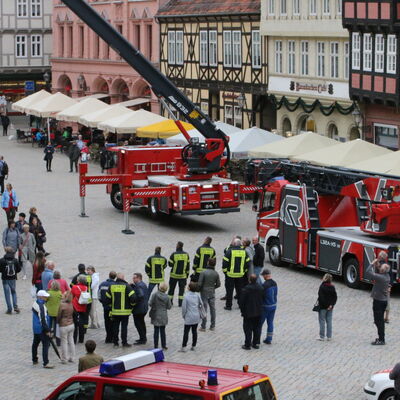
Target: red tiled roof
204, 7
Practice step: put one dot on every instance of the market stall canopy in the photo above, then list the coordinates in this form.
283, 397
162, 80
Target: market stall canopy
293, 146
85, 106
181, 140
95, 118
384, 164
162, 130
50, 105
135, 102
128, 123
227, 128
22, 104
344, 154
241, 143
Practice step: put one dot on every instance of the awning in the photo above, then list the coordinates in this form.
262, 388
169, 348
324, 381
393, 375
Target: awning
163, 129
135, 102
50, 106
384, 164
95, 96
22, 104
95, 118
85, 106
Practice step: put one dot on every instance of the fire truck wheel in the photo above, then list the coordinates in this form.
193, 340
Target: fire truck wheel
274, 252
351, 273
153, 207
116, 197
388, 395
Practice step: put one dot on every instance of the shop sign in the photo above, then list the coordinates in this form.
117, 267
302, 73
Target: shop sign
29, 86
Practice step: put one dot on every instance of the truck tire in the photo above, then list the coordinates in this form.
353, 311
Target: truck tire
351, 273
116, 197
274, 253
154, 208
388, 394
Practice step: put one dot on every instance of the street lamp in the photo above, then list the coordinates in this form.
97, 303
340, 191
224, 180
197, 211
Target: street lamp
357, 119
81, 82
241, 100
47, 78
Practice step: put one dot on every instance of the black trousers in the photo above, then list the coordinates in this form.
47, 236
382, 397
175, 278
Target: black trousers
71, 164
140, 326
108, 325
48, 164
122, 320
79, 322
160, 331
230, 284
172, 285
37, 338
252, 331
1, 184
5, 130
186, 331
10, 214
379, 308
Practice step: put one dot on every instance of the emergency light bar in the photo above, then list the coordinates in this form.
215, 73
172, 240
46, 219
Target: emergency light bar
125, 363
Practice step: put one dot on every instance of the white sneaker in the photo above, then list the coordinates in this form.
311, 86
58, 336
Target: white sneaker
321, 339
183, 350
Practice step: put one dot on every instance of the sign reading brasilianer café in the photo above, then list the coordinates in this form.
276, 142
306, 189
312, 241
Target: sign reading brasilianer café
293, 86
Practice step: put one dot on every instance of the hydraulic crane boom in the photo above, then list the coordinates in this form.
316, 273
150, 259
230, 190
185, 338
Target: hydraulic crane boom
200, 159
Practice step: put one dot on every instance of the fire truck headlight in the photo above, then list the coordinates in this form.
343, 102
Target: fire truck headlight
371, 383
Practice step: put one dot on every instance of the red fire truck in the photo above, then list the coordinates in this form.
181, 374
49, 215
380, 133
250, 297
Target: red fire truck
145, 375
332, 219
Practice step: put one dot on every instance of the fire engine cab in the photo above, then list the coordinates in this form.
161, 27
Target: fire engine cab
332, 219
144, 375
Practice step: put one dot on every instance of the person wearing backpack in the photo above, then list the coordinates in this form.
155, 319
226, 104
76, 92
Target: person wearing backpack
3, 173
9, 268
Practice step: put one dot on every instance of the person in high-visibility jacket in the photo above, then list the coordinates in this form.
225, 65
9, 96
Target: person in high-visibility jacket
155, 267
122, 299
235, 266
179, 262
203, 254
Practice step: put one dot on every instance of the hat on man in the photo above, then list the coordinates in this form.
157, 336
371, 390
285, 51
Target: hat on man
266, 271
42, 293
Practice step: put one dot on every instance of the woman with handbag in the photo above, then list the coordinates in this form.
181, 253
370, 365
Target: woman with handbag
79, 302
65, 320
27, 248
192, 312
38, 267
40, 235
159, 305
327, 298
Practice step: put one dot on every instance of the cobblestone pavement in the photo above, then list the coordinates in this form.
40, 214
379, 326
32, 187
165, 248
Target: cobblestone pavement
300, 366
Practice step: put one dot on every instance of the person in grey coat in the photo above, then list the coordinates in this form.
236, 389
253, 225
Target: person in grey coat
11, 236
208, 282
191, 309
159, 305
27, 246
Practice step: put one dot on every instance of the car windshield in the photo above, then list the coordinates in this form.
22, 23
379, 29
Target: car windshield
261, 391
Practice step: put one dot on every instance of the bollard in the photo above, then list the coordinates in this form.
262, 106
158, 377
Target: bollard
83, 214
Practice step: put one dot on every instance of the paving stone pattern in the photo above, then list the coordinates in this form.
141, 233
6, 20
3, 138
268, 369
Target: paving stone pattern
300, 366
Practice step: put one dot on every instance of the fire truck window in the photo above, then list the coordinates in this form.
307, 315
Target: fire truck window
119, 392
77, 391
262, 391
268, 201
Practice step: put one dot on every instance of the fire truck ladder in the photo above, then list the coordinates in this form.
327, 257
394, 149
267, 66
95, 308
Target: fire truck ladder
313, 215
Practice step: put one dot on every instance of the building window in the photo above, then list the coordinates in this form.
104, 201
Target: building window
22, 8
304, 58
20, 46
36, 46
339, 7
61, 40
283, 7
36, 8
96, 45
149, 31
271, 7
171, 47
391, 54
256, 49
313, 7
175, 47
367, 53
203, 48
320, 59
386, 135
179, 48
291, 57
237, 49
355, 50
228, 115
227, 49
212, 48
204, 107
296, 7
238, 114
334, 60
379, 53
278, 56
326, 7
81, 48
346, 60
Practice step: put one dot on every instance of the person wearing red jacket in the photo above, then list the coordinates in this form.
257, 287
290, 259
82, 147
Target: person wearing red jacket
80, 310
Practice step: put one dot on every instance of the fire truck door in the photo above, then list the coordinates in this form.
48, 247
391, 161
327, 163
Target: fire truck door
329, 254
290, 213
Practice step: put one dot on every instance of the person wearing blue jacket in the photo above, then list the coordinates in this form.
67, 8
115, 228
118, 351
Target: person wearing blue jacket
9, 202
41, 328
269, 304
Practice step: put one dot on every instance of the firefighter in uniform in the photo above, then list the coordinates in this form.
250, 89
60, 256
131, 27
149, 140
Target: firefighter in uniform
180, 264
122, 299
235, 266
155, 266
203, 254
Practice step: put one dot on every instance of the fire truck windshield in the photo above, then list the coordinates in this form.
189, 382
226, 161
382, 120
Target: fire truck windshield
261, 391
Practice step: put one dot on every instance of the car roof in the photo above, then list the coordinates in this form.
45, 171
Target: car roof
179, 375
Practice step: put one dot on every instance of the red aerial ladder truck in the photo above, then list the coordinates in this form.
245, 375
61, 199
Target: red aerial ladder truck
332, 219
185, 180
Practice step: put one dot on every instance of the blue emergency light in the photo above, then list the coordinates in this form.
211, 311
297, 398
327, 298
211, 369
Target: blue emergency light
212, 377
131, 361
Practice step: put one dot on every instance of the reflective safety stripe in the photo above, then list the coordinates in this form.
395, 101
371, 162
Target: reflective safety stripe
201, 260
118, 303
236, 267
180, 262
158, 265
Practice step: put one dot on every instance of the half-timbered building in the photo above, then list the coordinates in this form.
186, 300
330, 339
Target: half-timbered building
213, 51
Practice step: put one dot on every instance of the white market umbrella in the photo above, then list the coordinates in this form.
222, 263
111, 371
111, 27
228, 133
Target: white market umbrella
85, 106
95, 118
22, 104
128, 123
241, 143
181, 140
384, 164
50, 106
227, 128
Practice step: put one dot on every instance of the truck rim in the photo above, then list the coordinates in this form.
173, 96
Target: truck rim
118, 198
275, 253
351, 273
